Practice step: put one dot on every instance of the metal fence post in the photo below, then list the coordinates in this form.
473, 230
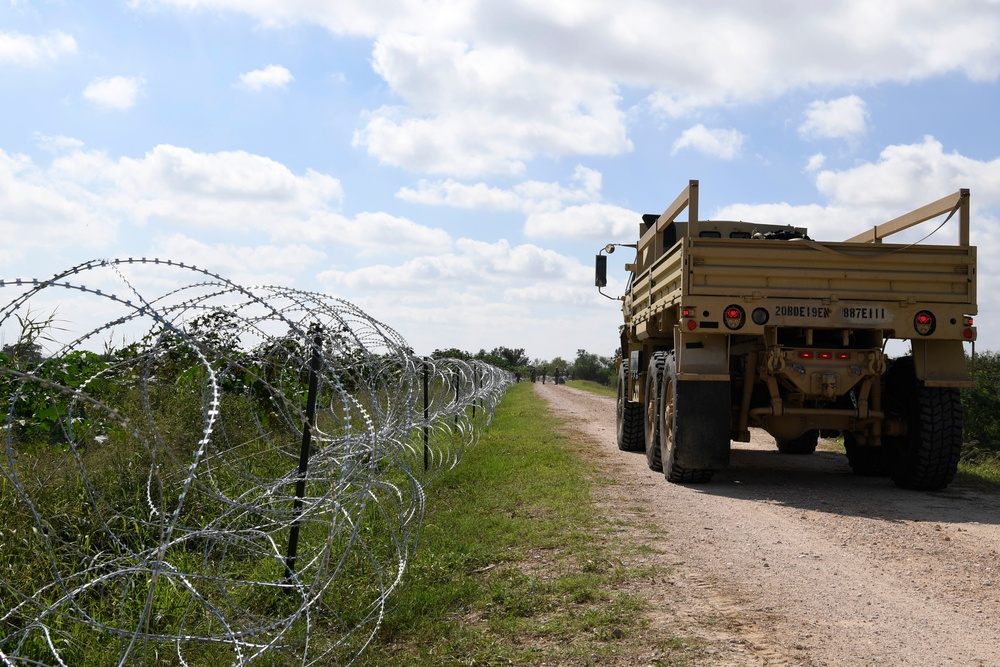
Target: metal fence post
475, 390
300, 482
427, 427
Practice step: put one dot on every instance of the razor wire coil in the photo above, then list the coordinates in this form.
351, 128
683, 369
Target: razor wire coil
148, 492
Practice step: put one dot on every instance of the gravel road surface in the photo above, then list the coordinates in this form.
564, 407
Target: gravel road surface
793, 560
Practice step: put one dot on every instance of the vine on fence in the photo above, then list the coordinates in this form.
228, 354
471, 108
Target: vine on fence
148, 493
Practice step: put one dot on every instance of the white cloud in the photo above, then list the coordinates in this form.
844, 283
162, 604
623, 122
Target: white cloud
41, 213
527, 196
475, 111
372, 234
725, 144
553, 210
485, 87
226, 190
29, 50
815, 162
272, 76
57, 143
843, 118
114, 92
480, 295
747, 53
523, 262
241, 214
229, 175
602, 222
352, 17
902, 179
911, 173
479, 196
269, 264
476, 265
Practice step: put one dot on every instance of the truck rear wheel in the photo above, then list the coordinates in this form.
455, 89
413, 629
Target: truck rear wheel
926, 458
804, 444
628, 416
671, 437
654, 390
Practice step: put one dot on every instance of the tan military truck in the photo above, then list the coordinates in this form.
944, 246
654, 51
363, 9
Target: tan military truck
732, 325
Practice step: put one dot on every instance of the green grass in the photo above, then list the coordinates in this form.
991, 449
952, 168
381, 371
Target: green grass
509, 569
595, 387
514, 564
984, 474
509, 566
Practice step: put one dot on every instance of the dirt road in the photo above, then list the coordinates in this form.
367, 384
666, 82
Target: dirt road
792, 560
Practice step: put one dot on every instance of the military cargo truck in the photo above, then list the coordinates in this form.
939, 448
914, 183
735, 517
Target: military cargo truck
730, 325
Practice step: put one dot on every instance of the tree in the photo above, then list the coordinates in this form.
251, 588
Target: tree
514, 357
558, 364
592, 367
982, 407
507, 358
451, 353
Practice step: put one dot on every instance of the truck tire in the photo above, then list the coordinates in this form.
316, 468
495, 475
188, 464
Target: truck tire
926, 458
867, 461
628, 416
804, 444
671, 439
651, 415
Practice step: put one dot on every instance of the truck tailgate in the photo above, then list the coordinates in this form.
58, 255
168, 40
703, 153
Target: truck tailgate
845, 271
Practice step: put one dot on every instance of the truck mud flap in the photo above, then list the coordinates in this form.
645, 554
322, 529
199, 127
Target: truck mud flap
702, 424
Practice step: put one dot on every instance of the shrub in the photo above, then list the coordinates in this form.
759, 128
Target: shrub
982, 409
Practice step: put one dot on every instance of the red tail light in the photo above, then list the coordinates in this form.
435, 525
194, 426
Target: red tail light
924, 323
735, 316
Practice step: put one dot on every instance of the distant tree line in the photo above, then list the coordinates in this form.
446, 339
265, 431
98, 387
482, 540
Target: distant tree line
586, 366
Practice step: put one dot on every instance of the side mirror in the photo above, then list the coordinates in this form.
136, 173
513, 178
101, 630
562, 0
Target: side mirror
601, 271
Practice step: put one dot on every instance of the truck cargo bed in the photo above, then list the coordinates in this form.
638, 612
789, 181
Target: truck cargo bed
755, 269
796, 269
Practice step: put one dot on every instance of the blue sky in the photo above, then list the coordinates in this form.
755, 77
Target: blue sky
452, 166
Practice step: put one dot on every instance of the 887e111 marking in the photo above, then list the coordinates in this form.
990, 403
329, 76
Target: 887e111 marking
865, 313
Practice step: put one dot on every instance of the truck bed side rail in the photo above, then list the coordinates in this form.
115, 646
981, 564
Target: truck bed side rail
956, 202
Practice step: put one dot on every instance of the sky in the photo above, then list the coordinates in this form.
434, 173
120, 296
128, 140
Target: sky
451, 167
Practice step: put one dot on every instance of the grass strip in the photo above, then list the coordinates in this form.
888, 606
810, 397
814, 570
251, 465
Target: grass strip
508, 570
593, 387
